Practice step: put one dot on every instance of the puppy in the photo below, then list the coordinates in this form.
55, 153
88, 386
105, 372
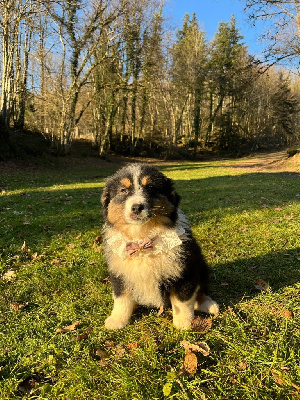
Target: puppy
152, 256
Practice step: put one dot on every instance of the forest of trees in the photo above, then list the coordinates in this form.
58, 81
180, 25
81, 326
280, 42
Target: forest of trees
112, 71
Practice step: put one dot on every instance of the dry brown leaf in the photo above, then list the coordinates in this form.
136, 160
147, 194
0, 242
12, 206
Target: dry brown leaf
18, 306
78, 236
24, 248
68, 328
286, 314
198, 347
104, 356
160, 311
278, 209
84, 335
276, 378
190, 363
201, 325
9, 275
109, 344
261, 285
133, 346
71, 246
119, 351
242, 366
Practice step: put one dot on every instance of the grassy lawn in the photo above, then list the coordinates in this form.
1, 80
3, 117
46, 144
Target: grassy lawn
54, 295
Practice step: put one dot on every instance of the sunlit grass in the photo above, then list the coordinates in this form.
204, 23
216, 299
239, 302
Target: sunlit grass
248, 225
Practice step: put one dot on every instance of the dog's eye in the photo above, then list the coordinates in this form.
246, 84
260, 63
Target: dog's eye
124, 190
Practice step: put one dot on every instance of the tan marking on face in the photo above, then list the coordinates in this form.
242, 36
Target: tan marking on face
146, 180
115, 214
126, 182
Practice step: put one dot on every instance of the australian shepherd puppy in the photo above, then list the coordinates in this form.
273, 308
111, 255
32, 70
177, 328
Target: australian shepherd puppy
152, 256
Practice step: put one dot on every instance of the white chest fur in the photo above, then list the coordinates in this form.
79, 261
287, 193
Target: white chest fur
144, 271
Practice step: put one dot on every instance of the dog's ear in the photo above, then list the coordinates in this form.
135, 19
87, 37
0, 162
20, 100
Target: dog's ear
105, 199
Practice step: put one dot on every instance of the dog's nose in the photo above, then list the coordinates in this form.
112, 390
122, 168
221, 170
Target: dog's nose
137, 208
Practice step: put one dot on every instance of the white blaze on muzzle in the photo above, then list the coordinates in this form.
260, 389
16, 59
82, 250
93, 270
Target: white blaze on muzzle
136, 209
136, 206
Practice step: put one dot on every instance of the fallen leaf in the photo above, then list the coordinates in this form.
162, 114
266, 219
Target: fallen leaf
242, 366
84, 335
34, 256
68, 328
78, 236
276, 378
198, 347
109, 344
278, 209
104, 356
261, 285
286, 314
119, 351
71, 246
201, 325
160, 311
105, 280
9, 275
24, 248
224, 284
18, 306
133, 346
190, 363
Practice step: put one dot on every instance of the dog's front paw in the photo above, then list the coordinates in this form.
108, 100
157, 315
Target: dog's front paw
114, 323
182, 323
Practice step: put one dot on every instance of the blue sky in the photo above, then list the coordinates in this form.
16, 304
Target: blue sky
211, 12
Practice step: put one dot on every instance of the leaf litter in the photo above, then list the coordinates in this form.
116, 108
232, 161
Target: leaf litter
190, 363
68, 328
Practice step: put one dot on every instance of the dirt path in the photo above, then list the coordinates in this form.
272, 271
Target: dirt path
277, 161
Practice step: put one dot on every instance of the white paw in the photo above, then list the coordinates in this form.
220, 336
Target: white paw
209, 306
114, 323
182, 323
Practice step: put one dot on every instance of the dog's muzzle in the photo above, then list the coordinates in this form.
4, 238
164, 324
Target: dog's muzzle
136, 210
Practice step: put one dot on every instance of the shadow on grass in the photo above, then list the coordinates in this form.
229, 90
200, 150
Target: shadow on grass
242, 279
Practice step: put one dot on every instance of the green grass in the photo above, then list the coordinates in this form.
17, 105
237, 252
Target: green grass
248, 224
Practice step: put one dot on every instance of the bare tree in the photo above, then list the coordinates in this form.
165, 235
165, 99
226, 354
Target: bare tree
283, 21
